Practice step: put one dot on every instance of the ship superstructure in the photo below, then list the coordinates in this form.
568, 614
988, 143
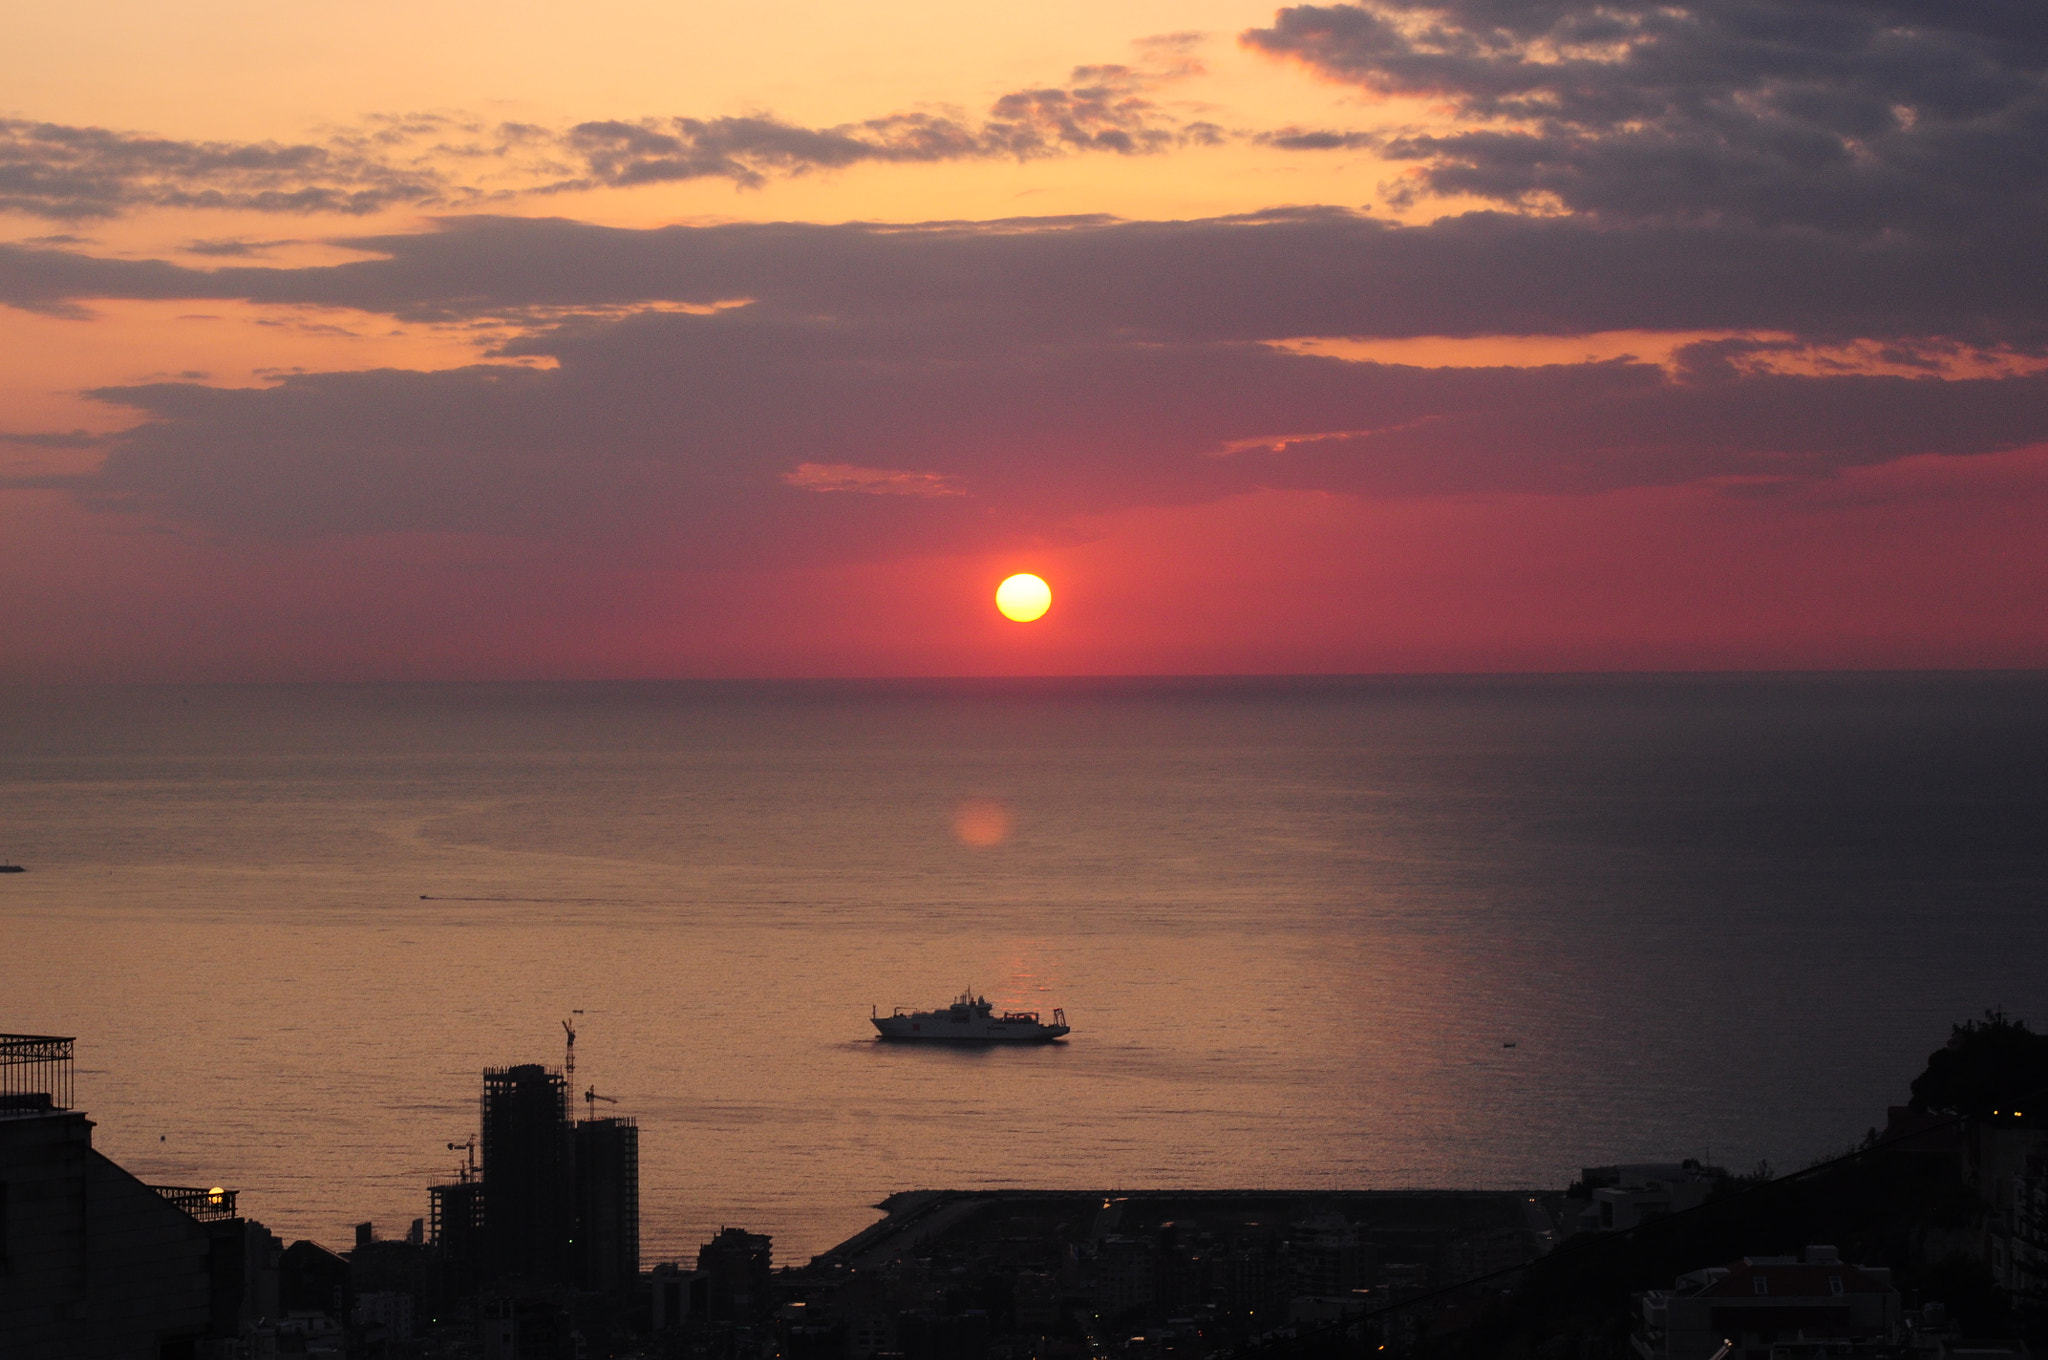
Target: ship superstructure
972, 1020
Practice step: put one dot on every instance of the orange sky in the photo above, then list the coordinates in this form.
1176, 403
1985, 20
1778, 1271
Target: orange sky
1292, 368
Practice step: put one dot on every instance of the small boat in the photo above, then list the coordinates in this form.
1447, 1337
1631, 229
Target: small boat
970, 1020
12, 869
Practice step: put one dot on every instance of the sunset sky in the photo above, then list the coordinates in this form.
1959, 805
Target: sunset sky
462, 340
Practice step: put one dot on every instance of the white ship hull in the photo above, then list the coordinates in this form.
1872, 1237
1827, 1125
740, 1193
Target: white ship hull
971, 1021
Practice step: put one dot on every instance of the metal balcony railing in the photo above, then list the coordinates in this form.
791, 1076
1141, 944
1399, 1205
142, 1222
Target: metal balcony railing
208, 1206
35, 1074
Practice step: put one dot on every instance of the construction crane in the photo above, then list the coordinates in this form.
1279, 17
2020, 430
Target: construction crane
569, 1063
468, 1173
590, 1099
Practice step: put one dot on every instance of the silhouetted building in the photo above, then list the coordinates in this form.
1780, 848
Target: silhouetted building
1327, 1258
1249, 1280
559, 1202
312, 1279
455, 1232
529, 1175
2005, 1160
608, 1204
393, 1268
527, 1329
92, 1261
384, 1317
961, 1337
1760, 1303
1035, 1301
677, 1295
738, 1266
1125, 1275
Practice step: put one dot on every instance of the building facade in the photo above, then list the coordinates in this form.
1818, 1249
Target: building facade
94, 1263
1762, 1304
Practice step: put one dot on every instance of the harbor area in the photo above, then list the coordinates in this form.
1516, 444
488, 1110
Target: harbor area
1148, 1271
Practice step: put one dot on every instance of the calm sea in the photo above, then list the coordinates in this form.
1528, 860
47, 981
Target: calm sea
1373, 933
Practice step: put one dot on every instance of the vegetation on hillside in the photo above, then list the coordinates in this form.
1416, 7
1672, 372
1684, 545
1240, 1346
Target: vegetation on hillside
1991, 1065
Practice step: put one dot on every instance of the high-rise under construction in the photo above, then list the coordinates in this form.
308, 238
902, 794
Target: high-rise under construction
560, 1200
529, 1218
608, 1204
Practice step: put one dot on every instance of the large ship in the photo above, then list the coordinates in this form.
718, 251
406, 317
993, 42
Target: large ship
971, 1020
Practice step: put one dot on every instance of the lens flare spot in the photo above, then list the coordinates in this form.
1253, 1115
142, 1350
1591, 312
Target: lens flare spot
1023, 597
982, 822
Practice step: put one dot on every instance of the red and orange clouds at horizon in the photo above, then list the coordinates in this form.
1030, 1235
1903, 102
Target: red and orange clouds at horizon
1665, 341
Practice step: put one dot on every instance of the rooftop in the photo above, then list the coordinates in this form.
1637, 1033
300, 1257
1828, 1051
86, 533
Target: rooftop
35, 1074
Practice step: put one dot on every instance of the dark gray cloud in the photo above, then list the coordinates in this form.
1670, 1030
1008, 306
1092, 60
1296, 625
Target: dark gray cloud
1843, 115
1265, 276
69, 173
47, 280
55, 171
52, 439
684, 430
235, 248
749, 150
1102, 108
1319, 139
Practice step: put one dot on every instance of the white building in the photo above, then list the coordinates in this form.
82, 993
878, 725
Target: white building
1645, 1190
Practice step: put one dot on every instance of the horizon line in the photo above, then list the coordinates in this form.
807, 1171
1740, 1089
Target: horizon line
1133, 678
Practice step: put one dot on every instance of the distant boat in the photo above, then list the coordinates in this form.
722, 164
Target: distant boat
12, 869
970, 1020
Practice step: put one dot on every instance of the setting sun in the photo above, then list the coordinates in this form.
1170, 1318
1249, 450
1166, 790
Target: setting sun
1023, 597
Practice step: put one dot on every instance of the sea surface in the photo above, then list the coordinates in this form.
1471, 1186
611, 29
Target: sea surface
1318, 933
